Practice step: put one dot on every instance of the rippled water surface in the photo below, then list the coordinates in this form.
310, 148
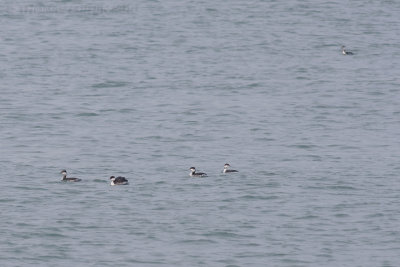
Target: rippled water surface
148, 89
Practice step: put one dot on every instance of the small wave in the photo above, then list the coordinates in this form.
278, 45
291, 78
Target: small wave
341, 215
303, 146
87, 114
255, 197
7, 200
198, 241
307, 217
226, 234
341, 187
109, 84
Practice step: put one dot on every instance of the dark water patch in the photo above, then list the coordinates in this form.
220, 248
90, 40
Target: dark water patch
51, 235
254, 85
314, 187
248, 226
108, 110
160, 208
376, 93
126, 110
37, 234
229, 265
226, 234
229, 200
315, 157
332, 107
23, 225
265, 139
151, 137
258, 197
342, 188
296, 262
87, 114
303, 146
257, 129
146, 262
110, 84
375, 215
47, 258
7, 200
250, 254
288, 159
41, 127
198, 241
301, 78
307, 217
342, 215
100, 181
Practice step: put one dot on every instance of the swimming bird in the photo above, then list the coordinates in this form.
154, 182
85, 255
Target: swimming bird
69, 179
196, 174
226, 166
118, 181
344, 52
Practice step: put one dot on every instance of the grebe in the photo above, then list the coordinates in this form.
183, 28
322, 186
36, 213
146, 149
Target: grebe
65, 179
196, 174
118, 181
226, 166
344, 52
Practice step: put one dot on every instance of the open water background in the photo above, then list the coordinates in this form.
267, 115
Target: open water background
147, 89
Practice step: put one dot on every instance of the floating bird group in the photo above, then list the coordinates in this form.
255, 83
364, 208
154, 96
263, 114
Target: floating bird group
123, 181
193, 172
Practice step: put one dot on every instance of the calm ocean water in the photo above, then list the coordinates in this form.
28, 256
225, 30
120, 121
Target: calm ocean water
148, 89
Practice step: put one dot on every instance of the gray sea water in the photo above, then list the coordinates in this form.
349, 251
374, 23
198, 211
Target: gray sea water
147, 89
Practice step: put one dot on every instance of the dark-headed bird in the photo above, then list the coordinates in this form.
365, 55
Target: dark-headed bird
226, 168
69, 179
118, 180
193, 173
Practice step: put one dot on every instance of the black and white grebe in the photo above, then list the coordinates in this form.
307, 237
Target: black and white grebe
118, 181
196, 174
226, 168
69, 179
344, 52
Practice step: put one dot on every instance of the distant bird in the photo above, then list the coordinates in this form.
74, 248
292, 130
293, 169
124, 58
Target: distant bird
344, 52
193, 173
118, 181
226, 168
65, 179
